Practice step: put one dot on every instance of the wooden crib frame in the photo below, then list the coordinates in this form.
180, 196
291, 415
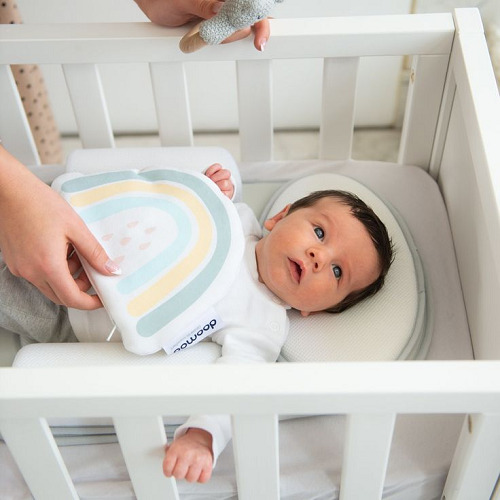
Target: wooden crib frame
451, 129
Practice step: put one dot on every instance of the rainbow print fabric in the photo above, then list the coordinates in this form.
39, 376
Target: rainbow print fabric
177, 238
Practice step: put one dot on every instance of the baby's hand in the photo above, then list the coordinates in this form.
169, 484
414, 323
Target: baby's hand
190, 457
221, 177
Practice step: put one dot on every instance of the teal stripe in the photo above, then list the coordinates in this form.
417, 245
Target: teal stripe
92, 181
166, 312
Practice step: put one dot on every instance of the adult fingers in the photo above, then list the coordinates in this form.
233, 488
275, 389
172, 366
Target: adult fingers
46, 289
262, 32
62, 288
74, 264
82, 281
205, 9
52, 275
91, 250
77, 271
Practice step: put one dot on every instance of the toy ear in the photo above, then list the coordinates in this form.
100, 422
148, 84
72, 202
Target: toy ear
192, 41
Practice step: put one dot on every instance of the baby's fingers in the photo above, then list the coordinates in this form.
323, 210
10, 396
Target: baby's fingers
169, 463
213, 169
222, 177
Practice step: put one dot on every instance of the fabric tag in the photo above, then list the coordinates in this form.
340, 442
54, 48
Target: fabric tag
206, 325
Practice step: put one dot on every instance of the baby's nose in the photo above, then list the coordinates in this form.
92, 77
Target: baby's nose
317, 257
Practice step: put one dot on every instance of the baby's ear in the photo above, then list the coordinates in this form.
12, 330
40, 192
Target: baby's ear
270, 223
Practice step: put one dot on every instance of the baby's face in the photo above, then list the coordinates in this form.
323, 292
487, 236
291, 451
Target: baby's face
316, 256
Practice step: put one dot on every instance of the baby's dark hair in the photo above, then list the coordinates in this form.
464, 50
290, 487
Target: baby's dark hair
376, 229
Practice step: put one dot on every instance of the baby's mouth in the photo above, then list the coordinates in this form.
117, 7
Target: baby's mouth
295, 270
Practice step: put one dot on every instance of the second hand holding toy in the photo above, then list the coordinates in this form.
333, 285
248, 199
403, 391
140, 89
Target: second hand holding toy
234, 15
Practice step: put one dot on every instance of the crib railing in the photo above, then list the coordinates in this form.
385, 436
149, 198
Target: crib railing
339, 42
370, 394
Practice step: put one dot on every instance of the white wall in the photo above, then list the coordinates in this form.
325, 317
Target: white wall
378, 79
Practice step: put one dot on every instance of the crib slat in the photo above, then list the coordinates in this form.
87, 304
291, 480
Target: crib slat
256, 455
14, 127
338, 106
366, 453
427, 79
172, 104
442, 125
37, 456
89, 104
143, 440
476, 464
254, 80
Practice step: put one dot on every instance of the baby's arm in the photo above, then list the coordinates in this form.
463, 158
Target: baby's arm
221, 177
190, 456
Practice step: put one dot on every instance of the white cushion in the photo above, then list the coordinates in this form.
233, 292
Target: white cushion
387, 326
198, 159
178, 240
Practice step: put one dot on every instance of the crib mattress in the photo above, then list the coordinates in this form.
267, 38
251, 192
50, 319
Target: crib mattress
422, 445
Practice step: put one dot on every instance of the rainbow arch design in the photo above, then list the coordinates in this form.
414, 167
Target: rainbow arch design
174, 277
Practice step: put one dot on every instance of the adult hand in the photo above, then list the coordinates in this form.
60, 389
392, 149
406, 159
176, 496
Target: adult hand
179, 12
38, 233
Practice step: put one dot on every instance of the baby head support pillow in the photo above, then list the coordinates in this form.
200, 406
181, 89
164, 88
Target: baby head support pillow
234, 15
390, 325
178, 241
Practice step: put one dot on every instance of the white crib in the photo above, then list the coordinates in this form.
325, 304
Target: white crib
451, 130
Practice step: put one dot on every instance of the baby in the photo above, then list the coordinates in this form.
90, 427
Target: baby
325, 252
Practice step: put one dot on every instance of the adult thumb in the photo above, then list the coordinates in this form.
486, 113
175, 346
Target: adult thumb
206, 9
91, 250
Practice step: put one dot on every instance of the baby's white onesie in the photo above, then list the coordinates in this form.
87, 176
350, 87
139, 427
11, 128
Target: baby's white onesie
255, 326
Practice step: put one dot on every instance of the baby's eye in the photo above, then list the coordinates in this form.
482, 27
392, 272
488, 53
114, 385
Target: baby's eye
319, 233
337, 272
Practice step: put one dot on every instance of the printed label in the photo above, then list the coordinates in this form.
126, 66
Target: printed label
208, 324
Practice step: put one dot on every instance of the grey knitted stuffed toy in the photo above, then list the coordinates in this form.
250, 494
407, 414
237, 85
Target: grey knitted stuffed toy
234, 15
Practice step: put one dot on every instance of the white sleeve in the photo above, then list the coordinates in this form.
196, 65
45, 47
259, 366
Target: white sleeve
239, 345
247, 345
250, 338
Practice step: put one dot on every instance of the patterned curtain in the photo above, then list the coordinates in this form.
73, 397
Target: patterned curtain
31, 86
